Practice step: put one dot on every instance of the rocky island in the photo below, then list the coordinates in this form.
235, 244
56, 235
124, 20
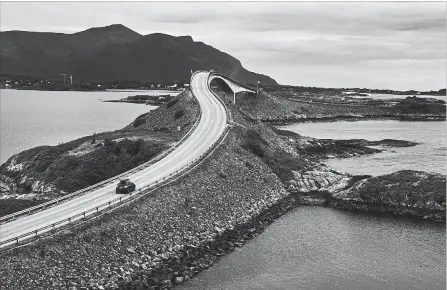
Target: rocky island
144, 99
256, 175
285, 104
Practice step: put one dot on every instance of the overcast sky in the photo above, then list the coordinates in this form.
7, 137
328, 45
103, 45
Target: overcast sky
358, 44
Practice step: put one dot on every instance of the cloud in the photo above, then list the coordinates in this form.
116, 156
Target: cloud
278, 38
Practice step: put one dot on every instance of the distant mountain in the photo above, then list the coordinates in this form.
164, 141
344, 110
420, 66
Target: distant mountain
112, 53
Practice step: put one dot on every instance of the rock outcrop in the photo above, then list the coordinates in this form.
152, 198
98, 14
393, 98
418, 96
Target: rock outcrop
329, 148
406, 192
282, 107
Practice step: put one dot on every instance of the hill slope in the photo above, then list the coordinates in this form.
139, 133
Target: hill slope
112, 53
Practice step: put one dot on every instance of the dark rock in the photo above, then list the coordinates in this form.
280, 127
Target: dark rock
405, 192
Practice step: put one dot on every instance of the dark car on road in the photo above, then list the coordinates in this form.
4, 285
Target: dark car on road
125, 186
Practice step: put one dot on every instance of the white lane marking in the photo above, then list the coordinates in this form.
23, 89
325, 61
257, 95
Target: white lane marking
171, 163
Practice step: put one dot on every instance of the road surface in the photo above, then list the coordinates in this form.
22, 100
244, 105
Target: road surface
211, 126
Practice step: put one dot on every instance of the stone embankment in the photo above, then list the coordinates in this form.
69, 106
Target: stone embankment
226, 192
165, 238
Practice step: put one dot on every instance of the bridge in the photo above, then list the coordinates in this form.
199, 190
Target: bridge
207, 133
229, 86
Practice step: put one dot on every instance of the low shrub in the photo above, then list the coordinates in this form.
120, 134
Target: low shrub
103, 163
253, 143
93, 141
8, 206
179, 114
162, 129
108, 142
171, 103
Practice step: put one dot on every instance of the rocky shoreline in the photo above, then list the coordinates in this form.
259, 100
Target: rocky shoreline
333, 148
163, 269
329, 119
175, 267
278, 108
257, 175
431, 214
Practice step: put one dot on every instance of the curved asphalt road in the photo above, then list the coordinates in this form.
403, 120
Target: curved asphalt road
211, 126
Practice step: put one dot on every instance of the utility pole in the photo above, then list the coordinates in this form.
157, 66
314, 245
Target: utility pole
64, 77
257, 88
71, 79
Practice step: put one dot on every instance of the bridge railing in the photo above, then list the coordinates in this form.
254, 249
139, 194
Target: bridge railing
229, 116
89, 214
234, 81
113, 179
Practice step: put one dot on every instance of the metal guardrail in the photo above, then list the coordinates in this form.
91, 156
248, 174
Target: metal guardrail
70, 196
229, 117
115, 202
133, 195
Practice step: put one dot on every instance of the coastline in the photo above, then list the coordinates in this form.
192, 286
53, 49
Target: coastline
161, 241
406, 118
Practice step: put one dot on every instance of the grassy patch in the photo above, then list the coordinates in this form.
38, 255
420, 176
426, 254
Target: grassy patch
73, 173
253, 142
52, 164
281, 162
140, 120
9, 206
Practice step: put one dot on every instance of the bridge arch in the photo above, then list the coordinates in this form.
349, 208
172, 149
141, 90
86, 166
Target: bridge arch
228, 86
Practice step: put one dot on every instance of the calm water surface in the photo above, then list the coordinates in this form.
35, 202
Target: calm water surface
390, 96
34, 118
429, 156
323, 248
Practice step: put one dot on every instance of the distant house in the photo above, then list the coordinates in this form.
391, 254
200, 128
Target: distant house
186, 85
173, 86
